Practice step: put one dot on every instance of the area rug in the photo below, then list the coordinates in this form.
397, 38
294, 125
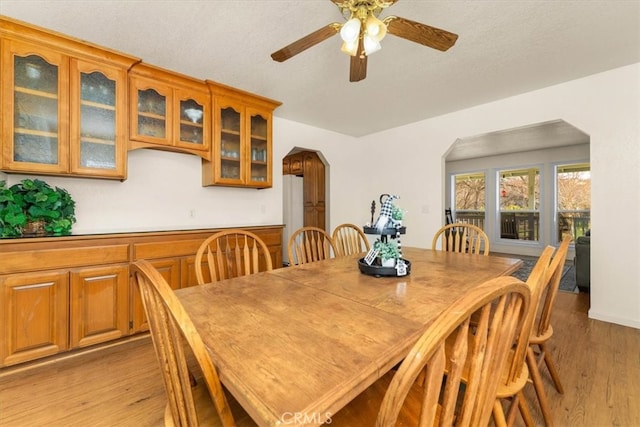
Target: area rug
567, 282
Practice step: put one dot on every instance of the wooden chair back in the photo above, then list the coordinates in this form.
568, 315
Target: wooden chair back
542, 331
535, 281
231, 253
550, 288
171, 332
349, 239
499, 306
310, 244
462, 238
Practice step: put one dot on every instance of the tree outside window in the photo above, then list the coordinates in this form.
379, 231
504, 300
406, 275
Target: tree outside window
469, 190
573, 190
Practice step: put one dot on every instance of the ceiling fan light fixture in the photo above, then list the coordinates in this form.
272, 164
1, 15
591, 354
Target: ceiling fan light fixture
370, 45
363, 30
375, 28
350, 48
350, 31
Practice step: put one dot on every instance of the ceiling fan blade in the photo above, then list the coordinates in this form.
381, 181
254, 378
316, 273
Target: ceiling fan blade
306, 42
358, 68
420, 33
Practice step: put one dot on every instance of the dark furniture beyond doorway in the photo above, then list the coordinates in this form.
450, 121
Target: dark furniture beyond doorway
583, 262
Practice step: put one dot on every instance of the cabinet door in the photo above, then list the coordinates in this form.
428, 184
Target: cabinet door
99, 304
98, 120
170, 270
229, 148
188, 272
313, 191
35, 316
193, 118
35, 110
259, 150
151, 111
296, 167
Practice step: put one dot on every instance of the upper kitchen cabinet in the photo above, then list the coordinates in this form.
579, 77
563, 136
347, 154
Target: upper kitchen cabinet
169, 111
63, 104
242, 140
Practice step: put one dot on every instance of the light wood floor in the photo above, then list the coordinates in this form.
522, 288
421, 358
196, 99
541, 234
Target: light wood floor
121, 386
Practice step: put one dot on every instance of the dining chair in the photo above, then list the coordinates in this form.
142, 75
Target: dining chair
309, 244
516, 372
349, 239
462, 238
542, 331
423, 391
172, 334
231, 253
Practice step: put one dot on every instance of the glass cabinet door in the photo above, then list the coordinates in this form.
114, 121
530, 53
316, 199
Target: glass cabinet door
36, 106
151, 112
97, 114
242, 155
259, 164
97, 121
193, 129
191, 122
230, 144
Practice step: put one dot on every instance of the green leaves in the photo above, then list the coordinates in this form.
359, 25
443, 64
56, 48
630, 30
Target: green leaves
387, 250
12, 218
33, 200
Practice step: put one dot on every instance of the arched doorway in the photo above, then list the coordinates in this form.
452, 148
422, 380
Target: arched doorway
304, 192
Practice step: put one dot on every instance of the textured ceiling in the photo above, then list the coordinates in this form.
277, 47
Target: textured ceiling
504, 48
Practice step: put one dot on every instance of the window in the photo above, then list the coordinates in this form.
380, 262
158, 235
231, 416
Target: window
573, 195
519, 194
469, 191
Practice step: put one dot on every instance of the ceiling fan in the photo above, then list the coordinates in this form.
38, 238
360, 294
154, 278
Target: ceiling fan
362, 32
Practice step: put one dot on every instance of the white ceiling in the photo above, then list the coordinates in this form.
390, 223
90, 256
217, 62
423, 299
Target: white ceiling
504, 48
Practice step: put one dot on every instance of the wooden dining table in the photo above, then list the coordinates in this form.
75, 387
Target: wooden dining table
294, 345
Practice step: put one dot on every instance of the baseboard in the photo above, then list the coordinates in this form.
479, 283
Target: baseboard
613, 319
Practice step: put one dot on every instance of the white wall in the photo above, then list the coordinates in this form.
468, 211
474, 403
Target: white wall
163, 192
606, 106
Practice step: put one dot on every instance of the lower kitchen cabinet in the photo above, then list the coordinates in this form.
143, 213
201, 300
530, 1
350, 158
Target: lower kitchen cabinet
35, 313
99, 304
61, 294
170, 270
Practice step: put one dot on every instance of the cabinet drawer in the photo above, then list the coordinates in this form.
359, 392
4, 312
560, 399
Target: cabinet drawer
166, 249
44, 259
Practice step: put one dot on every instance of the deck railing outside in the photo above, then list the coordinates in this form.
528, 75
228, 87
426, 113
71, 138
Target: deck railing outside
526, 224
576, 223
471, 217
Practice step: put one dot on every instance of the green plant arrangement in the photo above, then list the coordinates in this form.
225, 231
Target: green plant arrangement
35, 201
12, 215
397, 214
387, 250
